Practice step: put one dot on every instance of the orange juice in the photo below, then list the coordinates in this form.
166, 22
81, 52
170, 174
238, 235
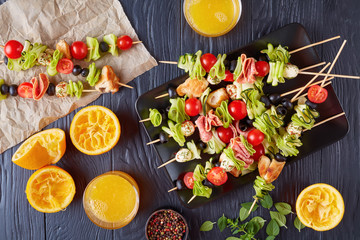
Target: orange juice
212, 18
111, 200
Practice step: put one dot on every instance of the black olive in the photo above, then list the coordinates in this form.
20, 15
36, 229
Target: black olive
233, 65
76, 70
164, 138
280, 158
227, 64
104, 47
287, 103
243, 126
217, 164
4, 89
167, 109
311, 104
207, 183
172, 92
263, 57
202, 145
85, 72
281, 110
248, 121
275, 98
180, 184
51, 89
6, 60
13, 90
266, 101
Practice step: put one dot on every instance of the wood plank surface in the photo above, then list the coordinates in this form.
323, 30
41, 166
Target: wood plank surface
163, 29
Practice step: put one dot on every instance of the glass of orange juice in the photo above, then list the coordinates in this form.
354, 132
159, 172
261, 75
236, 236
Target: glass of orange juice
111, 200
212, 18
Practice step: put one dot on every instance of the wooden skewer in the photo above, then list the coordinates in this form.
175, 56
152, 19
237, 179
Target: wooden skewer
326, 120
168, 62
144, 120
1, 46
173, 189
253, 205
314, 44
136, 42
330, 75
124, 85
90, 90
302, 89
161, 96
192, 198
154, 141
168, 162
312, 66
1, 62
335, 59
295, 90
305, 94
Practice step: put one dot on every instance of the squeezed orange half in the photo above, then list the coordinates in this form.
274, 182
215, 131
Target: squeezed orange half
212, 18
111, 200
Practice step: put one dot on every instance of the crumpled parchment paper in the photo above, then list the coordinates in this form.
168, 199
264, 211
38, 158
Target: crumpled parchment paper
48, 22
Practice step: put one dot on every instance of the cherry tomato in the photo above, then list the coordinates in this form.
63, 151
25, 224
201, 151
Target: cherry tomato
217, 176
225, 134
192, 107
79, 50
317, 94
208, 60
65, 66
262, 68
124, 42
229, 77
25, 90
237, 109
13, 49
259, 151
255, 137
189, 180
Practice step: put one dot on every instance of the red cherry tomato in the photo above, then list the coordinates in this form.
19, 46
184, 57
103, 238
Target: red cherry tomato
237, 109
13, 49
65, 66
189, 180
25, 90
225, 134
192, 107
124, 42
262, 68
79, 50
208, 60
259, 151
217, 176
317, 94
229, 77
255, 137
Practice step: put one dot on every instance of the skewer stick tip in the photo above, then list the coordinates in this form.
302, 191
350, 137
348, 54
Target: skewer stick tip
144, 120
166, 163
124, 85
162, 95
173, 189
192, 198
152, 142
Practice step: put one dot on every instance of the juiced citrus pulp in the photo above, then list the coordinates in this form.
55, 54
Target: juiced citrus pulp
50, 189
320, 207
95, 130
42, 149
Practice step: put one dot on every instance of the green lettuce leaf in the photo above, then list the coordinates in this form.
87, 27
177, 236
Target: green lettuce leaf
215, 145
218, 70
197, 71
177, 110
223, 113
155, 117
174, 130
194, 150
111, 40
200, 190
51, 68
186, 62
93, 49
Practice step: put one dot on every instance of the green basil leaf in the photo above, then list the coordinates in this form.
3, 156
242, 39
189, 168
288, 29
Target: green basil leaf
233, 238
267, 201
272, 228
222, 223
243, 214
283, 208
299, 225
258, 220
279, 218
270, 238
248, 205
207, 226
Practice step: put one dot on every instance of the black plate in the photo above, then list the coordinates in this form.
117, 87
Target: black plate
293, 36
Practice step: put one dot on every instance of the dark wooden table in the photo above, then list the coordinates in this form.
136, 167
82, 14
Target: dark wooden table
162, 27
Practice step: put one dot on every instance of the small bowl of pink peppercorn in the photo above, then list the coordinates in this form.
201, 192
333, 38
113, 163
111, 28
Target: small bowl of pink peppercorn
166, 224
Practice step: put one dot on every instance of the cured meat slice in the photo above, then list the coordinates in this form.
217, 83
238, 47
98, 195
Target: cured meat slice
248, 71
39, 86
212, 120
204, 135
240, 151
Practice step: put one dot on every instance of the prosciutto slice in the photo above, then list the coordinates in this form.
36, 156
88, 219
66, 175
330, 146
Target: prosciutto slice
235, 134
248, 71
39, 86
205, 136
245, 134
240, 151
212, 120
